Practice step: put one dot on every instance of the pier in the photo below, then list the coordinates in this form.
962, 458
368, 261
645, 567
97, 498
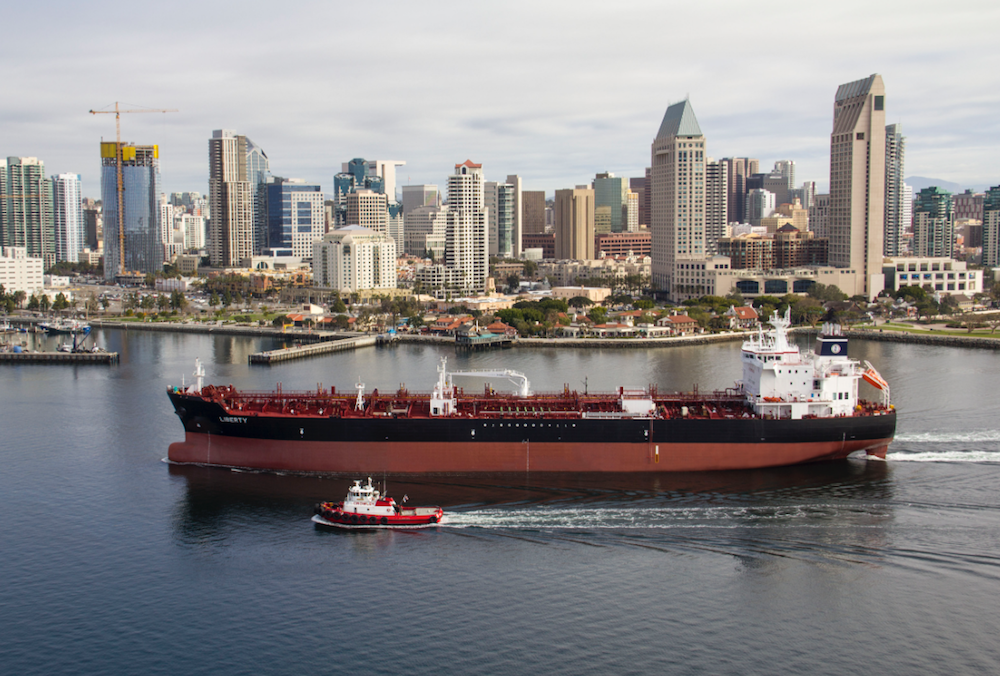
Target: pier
482, 341
58, 357
301, 351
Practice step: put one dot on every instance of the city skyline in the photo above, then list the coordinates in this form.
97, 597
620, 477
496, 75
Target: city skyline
569, 109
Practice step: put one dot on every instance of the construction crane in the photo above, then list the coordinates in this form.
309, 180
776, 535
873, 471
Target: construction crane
118, 163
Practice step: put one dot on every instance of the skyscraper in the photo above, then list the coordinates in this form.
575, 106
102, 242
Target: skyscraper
67, 215
738, 169
609, 199
499, 200
895, 207
786, 169
678, 180
26, 208
933, 224
716, 204
517, 223
467, 253
857, 183
574, 215
294, 215
416, 196
533, 212
132, 239
258, 172
233, 233
759, 205
991, 228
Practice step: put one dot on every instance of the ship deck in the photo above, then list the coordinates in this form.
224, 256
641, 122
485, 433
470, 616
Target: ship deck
323, 403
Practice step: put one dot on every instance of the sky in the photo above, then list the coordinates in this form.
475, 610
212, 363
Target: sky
553, 91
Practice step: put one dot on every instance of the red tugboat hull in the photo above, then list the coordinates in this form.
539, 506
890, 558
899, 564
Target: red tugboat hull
365, 507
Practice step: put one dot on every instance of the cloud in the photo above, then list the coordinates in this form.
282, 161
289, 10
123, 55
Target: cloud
553, 91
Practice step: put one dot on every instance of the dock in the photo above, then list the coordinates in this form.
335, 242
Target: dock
482, 341
302, 351
58, 357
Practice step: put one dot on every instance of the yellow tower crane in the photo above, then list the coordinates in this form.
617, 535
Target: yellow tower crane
118, 163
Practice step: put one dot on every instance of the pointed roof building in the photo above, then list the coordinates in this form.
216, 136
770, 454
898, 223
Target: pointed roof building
679, 120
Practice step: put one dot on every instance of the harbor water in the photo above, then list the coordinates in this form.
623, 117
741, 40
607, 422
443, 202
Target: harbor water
114, 561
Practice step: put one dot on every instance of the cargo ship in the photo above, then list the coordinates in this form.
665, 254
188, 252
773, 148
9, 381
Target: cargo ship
791, 407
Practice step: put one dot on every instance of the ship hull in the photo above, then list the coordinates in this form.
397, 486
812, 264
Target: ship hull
471, 445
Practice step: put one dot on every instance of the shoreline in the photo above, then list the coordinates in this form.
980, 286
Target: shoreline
978, 342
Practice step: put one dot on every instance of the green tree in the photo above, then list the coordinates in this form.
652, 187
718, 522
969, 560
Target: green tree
598, 315
44, 303
338, 306
580, 302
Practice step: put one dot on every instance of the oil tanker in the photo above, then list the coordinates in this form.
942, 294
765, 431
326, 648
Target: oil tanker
790, 407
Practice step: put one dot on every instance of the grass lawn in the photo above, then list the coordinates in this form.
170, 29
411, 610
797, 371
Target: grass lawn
910, 328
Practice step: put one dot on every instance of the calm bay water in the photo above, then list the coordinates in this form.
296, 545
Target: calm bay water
116, 562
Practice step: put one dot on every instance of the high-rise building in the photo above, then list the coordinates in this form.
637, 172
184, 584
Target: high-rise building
194, 232
233, 200
806, 195
426, 232
133, 241
786, 169
738, 169
574, 226
533, 212
517, 223
67, 215
26, 208
384, 170
968, 205
499, 200
416, 196
93, 226
760, 204
294, 215
819, 216
933, 224
632, 200
774, 183
353, 258
678, 179
378, 176
369, 209
638, 186
895, 226
467, 251
609, 202
258, 172
991, 228
716, 204
857, 183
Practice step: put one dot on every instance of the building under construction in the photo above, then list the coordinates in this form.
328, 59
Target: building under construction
141, 248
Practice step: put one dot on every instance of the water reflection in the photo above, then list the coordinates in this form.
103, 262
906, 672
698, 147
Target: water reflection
216, 501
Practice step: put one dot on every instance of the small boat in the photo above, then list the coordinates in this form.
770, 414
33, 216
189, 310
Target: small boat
366, 507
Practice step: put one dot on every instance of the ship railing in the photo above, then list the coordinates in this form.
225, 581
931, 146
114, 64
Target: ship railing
615, 415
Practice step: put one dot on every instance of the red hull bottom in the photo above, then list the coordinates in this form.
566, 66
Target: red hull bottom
464, 458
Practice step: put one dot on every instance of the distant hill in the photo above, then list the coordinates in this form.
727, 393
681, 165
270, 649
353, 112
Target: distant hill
918, 183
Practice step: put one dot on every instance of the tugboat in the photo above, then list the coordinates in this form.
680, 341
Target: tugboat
366, 507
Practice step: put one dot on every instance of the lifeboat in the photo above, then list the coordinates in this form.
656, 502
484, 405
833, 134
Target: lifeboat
365, 507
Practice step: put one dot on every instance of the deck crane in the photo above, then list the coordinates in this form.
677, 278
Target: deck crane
118, 163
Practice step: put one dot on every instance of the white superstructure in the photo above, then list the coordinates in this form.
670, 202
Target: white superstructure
780, 381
